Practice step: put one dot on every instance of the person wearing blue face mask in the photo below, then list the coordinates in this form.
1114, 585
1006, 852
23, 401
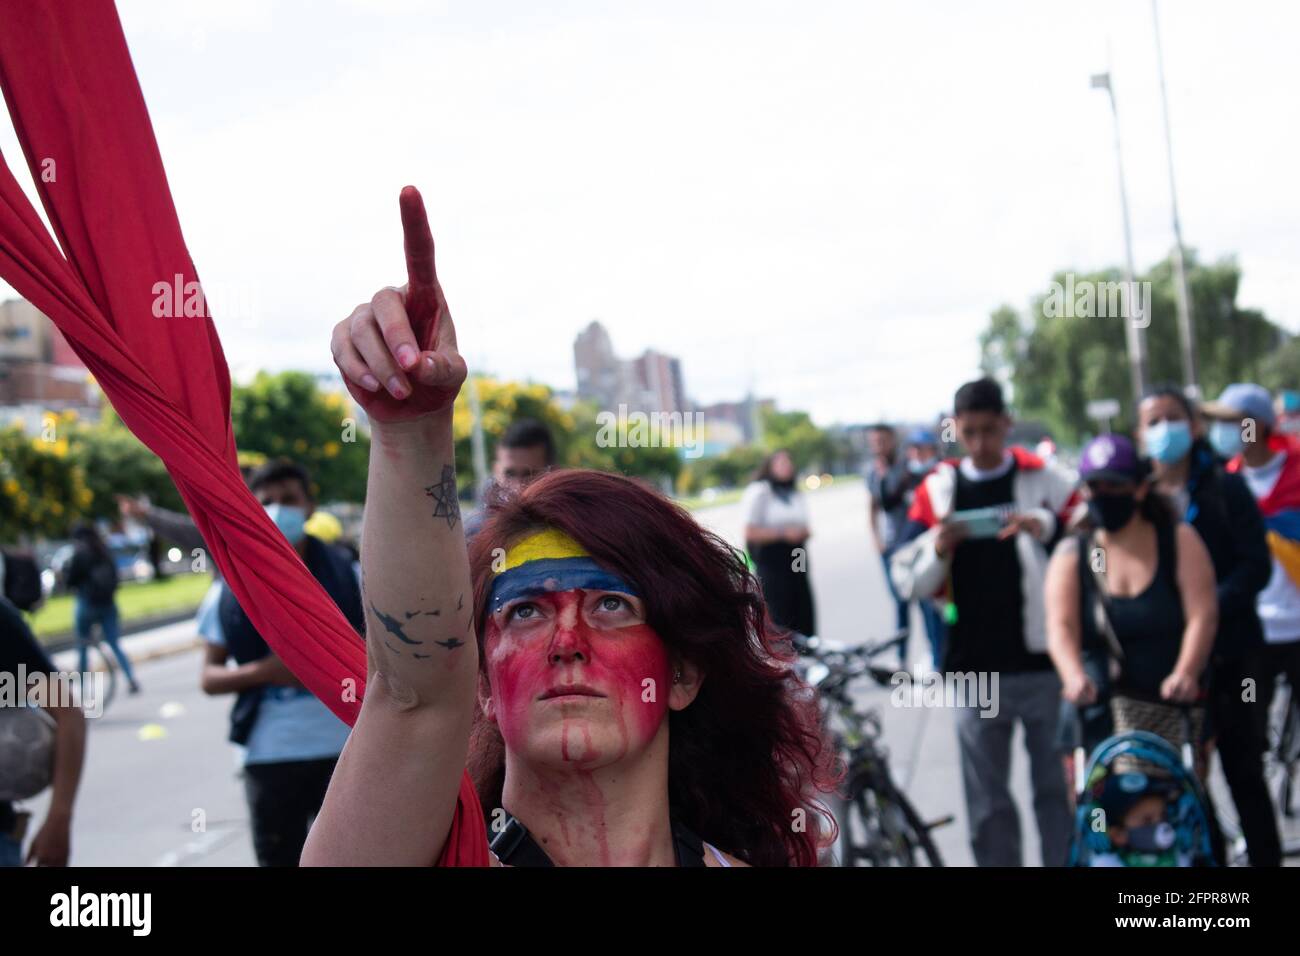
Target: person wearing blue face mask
922, 452
1220, 506
290, 740
1245, 425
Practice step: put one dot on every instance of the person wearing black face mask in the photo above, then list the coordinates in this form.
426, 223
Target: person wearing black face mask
1140, 590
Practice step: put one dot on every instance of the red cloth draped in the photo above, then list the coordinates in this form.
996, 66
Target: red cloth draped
74, 99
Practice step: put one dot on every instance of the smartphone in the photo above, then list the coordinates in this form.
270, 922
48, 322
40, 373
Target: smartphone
980, 522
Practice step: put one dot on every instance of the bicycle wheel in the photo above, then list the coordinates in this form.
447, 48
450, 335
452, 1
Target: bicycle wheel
883, 829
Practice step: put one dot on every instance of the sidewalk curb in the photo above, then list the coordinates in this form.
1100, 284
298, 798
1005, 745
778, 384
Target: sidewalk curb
171, 650
137, 655
67, 640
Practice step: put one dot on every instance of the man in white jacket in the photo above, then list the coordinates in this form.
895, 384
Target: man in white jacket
992, 587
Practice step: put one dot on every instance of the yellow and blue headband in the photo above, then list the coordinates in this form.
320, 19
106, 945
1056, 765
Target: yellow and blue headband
550, 561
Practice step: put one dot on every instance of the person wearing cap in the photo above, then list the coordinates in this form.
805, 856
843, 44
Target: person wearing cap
922, 451
1244, 431
1141, 585
1221, 508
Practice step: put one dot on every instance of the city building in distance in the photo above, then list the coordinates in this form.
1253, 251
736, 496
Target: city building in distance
39, 371
650, 383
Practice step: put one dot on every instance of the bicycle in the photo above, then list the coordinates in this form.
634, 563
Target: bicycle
878, 826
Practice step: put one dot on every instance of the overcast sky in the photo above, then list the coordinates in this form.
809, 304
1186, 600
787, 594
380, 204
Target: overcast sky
823, 199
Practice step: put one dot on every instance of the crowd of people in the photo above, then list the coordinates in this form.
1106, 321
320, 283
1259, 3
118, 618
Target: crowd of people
581, 660
1155, 591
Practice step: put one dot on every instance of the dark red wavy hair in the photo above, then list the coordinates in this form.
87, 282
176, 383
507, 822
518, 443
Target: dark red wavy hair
747, 759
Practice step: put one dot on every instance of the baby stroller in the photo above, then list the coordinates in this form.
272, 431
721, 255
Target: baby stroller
1139, 804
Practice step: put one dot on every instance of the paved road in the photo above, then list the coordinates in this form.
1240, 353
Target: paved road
157, 761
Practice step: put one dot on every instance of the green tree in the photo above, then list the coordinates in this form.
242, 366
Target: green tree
634, 447
1281, 368
808, 445
42, 488
115, 462
1055, 365
576, 432
501, 404
731, 469
288, 415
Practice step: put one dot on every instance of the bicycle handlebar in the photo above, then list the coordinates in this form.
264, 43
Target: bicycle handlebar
846, 664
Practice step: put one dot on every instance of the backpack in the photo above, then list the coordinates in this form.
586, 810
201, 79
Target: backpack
101, 581
22, 580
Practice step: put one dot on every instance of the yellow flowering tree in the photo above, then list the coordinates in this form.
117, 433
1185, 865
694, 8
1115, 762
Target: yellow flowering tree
288, 415
575, 431
42, 488
113, 462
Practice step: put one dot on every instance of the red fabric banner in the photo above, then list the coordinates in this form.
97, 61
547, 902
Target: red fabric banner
83, 126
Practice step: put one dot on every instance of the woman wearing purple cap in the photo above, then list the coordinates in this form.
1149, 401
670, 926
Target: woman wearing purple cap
1141, 586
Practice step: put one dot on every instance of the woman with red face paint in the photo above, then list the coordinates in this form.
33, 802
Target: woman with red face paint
602, 665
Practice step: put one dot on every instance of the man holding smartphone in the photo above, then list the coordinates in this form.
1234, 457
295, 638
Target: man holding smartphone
996, 617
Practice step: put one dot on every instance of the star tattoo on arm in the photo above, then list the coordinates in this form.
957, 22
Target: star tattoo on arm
445, 498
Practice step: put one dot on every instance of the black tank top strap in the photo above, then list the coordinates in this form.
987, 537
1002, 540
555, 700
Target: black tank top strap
515, 846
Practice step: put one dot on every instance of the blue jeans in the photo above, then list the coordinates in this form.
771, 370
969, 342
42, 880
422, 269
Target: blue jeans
85, 617
936, 631
899, 604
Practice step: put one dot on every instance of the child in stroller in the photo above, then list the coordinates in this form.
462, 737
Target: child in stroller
1139, 805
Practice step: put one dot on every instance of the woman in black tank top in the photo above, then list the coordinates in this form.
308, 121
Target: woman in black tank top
1138, 589
1149, 625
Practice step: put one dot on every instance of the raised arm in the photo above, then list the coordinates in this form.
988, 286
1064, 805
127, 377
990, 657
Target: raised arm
394, 791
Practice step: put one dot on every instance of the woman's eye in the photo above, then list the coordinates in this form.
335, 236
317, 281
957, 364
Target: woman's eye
521, 612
